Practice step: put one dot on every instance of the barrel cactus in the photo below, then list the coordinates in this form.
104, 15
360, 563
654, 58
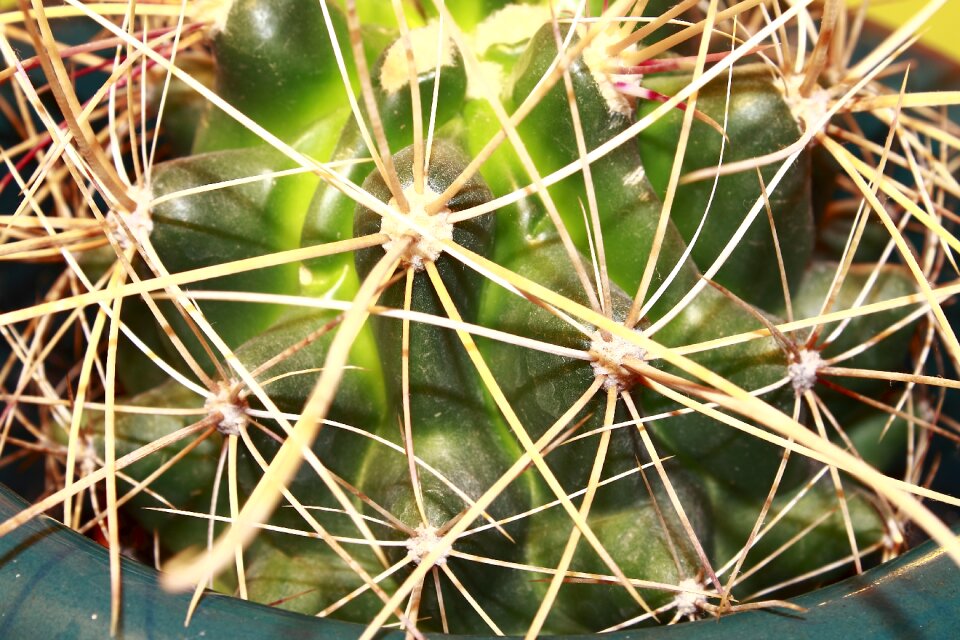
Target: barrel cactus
494, 317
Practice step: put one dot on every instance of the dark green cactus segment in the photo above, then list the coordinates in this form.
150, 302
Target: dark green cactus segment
548, 135
628, 243
550, 123
276, 64
628, 208
452, 428
306, 576
187, 485
642, 545
743, 461
475, 234
890, 354
740, 460
759, 123
467, 446
223, 225
827, 542
541, 386
391, 79
303, 337
259, 217
360, 402
891, 281
453, 432
531, 248
449, 415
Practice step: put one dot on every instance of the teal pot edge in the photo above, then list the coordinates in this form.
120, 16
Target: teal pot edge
55, 583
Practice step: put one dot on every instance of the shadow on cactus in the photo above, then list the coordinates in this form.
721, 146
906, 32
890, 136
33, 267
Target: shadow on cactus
490, 318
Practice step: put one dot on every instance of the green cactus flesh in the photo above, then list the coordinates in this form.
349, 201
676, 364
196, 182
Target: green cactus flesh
668, 494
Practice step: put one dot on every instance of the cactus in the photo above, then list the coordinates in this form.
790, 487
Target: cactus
490, 317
